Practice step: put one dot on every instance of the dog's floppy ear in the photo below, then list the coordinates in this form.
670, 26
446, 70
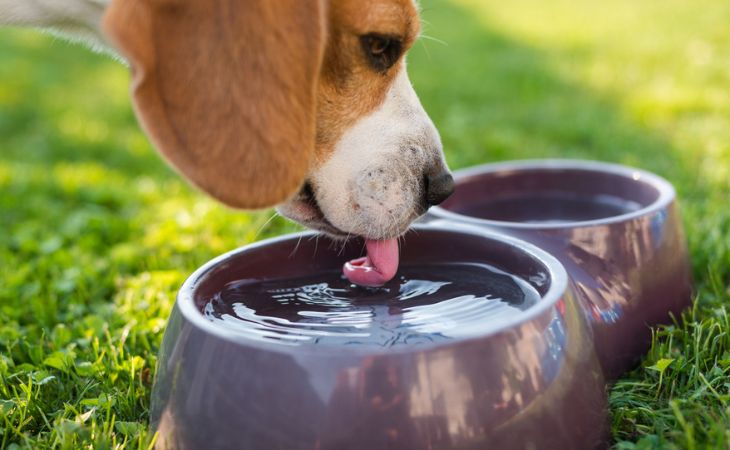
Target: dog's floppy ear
226, 90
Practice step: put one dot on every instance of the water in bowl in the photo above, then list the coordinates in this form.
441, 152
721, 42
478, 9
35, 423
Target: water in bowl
423, 304
550, 207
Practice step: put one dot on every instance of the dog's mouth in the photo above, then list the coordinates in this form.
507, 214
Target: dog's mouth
304, 209
375, 269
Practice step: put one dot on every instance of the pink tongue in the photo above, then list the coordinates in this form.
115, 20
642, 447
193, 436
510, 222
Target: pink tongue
378, 267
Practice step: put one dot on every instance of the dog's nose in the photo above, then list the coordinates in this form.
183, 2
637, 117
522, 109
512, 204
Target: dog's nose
438, 188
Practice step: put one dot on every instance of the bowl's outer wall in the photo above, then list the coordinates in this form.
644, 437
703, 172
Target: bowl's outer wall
537, 385
630, 274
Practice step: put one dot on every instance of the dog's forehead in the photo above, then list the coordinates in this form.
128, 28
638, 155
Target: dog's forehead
396, 17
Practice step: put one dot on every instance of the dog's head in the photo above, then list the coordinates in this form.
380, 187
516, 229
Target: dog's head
301, 104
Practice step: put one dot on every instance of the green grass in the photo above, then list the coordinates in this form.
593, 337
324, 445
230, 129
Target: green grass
96, 233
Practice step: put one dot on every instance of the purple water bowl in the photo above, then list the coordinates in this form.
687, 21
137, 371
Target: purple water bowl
616, 230
532, 380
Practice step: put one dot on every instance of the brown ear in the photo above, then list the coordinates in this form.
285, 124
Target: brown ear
226, 90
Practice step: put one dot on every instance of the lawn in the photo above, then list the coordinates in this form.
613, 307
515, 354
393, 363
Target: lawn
96, 233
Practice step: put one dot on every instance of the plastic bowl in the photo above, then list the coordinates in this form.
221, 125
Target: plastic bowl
616, 229
534, 382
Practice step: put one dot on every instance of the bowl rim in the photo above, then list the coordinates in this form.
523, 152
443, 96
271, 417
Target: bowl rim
667, 193
185, 301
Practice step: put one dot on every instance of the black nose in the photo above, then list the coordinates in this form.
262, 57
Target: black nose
438, 188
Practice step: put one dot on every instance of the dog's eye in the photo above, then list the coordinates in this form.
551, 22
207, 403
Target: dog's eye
381, 51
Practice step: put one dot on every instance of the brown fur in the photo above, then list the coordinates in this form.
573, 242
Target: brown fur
244, 100
348, 87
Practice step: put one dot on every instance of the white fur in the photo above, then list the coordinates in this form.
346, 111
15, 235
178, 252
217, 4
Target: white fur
75, 19
51, 13
372, 185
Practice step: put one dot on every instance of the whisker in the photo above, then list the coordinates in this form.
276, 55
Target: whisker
344, 244
431, 38
261, 228
316, 244
296, 247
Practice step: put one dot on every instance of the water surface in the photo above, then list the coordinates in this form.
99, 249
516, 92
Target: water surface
424, 303
550, 207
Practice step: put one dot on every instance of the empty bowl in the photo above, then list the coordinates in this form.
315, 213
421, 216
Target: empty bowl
480, 342
616, 229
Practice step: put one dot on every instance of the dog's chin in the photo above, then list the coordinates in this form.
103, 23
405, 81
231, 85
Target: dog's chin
305, 210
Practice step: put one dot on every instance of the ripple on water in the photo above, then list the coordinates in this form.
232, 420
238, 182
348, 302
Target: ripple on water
423, 304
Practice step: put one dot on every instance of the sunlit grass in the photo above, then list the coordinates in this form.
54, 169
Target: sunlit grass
97, 233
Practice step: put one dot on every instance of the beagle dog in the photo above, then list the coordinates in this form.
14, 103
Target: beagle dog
300, 104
